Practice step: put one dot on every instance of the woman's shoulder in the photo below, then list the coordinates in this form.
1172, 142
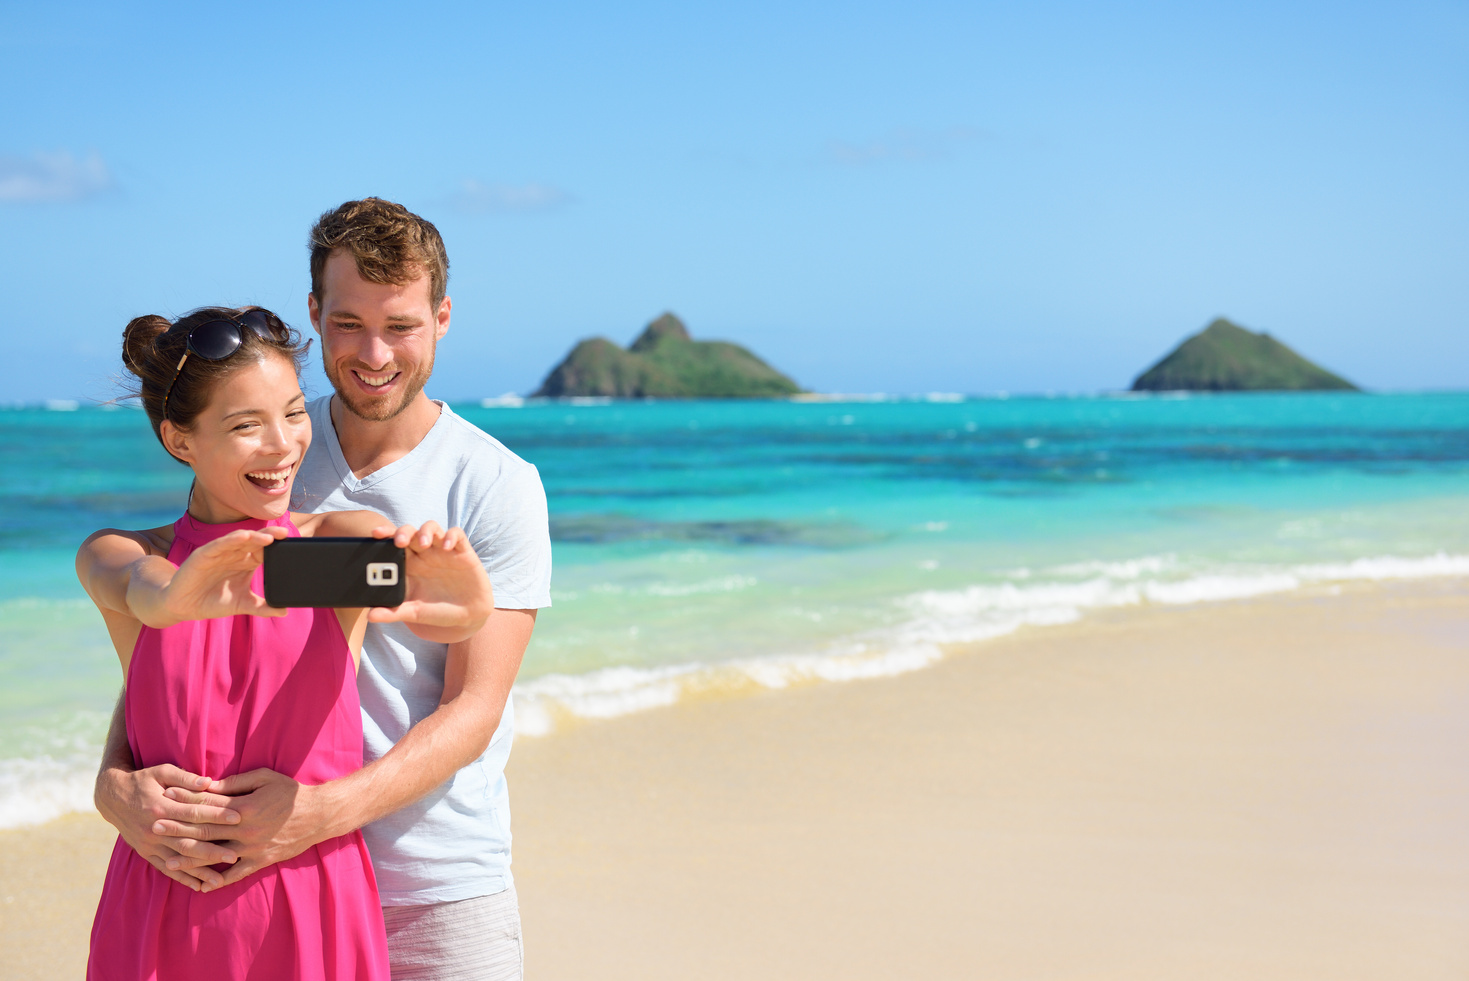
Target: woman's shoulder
152, 541
339, 524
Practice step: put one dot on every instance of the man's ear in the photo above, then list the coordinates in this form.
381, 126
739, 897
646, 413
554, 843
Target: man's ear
313, 310
442, 317
176, 441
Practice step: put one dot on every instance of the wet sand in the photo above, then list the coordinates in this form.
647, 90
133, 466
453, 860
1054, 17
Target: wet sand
1276, 788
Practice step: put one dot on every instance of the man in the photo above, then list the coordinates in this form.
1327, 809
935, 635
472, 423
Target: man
437, 721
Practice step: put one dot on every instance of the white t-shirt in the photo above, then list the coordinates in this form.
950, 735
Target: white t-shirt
454, 843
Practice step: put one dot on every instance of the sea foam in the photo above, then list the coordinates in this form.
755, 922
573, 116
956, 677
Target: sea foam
51, 769
934, 618
33, 791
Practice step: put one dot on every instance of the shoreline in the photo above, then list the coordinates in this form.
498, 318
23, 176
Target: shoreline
1274, 786
941, 621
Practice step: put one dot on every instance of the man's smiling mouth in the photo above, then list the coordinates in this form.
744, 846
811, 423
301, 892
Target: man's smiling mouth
377, 380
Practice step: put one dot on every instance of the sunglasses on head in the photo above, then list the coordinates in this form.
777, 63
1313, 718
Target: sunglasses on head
215, 340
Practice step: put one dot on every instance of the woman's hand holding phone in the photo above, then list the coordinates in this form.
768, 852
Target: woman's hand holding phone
214, 581
449, 596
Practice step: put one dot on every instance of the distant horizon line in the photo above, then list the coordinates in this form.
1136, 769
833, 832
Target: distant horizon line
512, 400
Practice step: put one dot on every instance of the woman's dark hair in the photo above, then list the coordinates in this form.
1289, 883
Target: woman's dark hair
152, 347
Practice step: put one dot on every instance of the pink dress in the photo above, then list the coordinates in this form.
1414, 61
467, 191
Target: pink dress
225, 696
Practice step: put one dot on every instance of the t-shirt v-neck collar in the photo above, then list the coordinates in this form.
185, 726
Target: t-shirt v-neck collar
339, 459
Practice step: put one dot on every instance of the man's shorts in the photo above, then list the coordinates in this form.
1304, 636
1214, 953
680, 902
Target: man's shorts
469, 940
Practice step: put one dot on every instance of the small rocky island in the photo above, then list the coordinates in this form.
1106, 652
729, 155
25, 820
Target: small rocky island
1225, 357
665, 362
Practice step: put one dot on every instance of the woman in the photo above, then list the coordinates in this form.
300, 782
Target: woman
219, 683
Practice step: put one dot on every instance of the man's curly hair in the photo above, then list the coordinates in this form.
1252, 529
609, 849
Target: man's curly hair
390, 244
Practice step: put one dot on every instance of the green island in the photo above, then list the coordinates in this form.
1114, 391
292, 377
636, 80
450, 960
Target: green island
665, 362
1225, 357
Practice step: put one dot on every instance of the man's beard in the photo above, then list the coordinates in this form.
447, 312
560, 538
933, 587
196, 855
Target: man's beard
379, 408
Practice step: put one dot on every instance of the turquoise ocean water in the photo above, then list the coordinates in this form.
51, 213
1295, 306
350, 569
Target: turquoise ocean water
725, 546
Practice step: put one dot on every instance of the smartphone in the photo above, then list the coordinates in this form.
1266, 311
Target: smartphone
334, 572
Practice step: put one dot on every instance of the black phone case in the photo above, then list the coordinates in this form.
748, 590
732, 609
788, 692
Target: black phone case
334, 572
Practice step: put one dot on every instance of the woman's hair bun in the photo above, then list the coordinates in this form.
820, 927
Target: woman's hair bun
138, 339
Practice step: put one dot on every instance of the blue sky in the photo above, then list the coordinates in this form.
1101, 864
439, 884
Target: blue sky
875, 197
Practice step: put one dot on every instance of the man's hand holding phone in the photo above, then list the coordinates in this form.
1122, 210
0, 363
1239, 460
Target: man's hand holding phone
448, 595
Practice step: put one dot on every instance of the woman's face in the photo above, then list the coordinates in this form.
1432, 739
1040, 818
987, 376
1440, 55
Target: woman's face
246, 444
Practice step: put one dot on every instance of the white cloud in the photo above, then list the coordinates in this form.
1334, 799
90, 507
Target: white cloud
478, 196
58, 176
903, 144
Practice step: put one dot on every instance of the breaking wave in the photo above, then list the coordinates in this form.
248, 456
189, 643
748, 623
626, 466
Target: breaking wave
934, 618
52, 771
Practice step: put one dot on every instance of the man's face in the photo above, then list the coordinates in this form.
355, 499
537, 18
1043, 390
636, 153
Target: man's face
377, 339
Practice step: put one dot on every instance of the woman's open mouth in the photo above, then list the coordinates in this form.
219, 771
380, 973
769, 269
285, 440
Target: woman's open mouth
270, 479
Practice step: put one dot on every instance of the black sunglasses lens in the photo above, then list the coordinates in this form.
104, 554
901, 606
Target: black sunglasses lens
257, 321
215, 340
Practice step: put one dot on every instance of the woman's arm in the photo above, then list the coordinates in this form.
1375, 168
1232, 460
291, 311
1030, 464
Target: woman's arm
126, 575
112, 564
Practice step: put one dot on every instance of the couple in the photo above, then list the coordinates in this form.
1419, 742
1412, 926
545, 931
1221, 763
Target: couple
234, 766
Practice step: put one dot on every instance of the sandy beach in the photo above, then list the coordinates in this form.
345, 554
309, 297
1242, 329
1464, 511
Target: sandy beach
1276, 788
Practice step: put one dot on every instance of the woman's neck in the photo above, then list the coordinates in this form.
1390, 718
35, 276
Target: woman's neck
204, 507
